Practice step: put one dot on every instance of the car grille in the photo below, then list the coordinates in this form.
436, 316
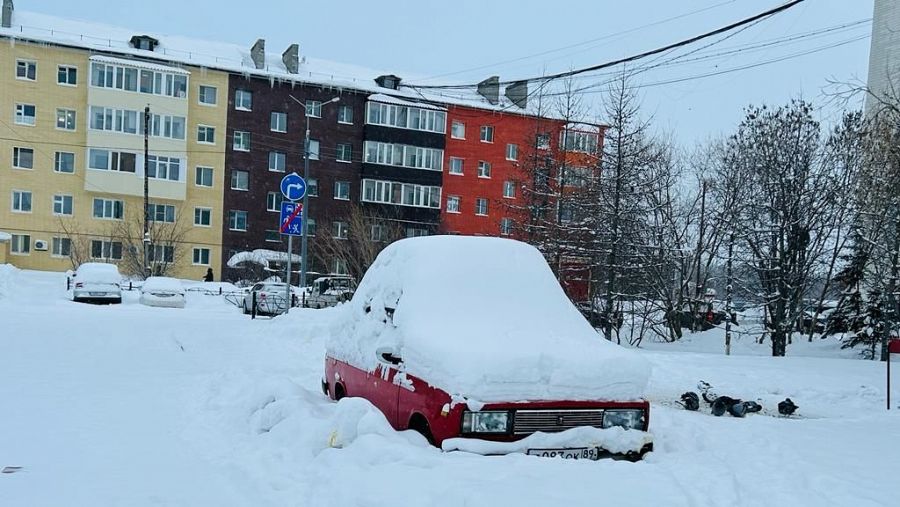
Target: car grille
549, 421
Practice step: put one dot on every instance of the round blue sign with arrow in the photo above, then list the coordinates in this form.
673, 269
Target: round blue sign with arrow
293, 187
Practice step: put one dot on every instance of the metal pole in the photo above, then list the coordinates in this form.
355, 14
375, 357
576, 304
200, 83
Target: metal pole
287, 295
147, 271
304, 214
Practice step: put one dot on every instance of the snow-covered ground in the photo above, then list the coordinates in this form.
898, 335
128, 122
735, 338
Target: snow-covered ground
132, 405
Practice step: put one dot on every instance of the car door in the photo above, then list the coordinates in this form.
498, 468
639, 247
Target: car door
382, 389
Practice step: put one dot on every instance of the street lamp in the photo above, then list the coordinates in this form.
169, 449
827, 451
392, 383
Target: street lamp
303, 236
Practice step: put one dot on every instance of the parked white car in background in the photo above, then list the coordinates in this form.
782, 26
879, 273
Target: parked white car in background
270, 298
162, 291
97, 282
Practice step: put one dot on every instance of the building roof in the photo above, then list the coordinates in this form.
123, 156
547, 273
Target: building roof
175, 49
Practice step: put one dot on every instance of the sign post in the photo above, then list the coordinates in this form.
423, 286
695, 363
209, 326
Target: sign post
893, 348
293, 188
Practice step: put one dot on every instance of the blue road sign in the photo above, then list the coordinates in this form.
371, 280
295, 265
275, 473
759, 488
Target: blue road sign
293, 187
291, 222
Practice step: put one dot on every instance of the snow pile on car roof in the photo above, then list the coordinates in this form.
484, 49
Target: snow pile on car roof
162, 283
98, 272
482, 318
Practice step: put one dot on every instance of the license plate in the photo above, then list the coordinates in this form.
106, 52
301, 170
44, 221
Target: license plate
98, 293
590, 453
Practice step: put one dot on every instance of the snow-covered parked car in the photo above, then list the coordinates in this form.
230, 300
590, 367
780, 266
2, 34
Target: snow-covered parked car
97, 282
270, 298
162, 291
330, 290
472, 342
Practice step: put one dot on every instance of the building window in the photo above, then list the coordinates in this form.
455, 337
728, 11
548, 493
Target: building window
243, 100
310, 227
505, 226
584, 142
403, 194
415, 232
23, 158
64, 162
62, 205
67, 75
240, 180
407, 117
203, 217
312, 187
273, 201
487, 134
378, 233
21, 244
130, 79
313, 149
25, 114
26, 69
241, 141
512, 152
484, 169
481, 206
273, 236
208, 95
113, 160
340, 230
65, 119
106, 250
278, 122
164, 168
543, 141
21, 201
339, 267
576, 176
162, 253
203, 176
345, 115
314, 108
277, 161
509, 189
342, 190
60, 247
456, 165
344, 152
110, 209
237, 220
206, 134
161, 213
458, 130
415, 157
201, 256
452, 204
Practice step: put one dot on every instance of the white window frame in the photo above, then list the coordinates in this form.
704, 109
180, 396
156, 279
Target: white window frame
313, 108
20, 244
272, 236
312, 187
243, 100
453, 127
199, 212
234, 222
168, 212
401, 194
200, 95
17, 204
68, 70
542, 141
487, 134
17, 158
512, 152
399, 155
340, 229
340, 153
311, 227
273, 202
107, 249
20, 118
276, 159
199, 171
484, 169
197, 255
506, 225
164, 168
509, 189
57, 159
406, 117
450, 169
241, 141
68, 118
235, 172
339, 195
206, 131
60, 200
453, 202
108, 205
278, 122
341, 116
27, 65
314, 152
56, 246
478, 208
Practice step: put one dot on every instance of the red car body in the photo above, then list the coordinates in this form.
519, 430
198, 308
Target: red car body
411, 403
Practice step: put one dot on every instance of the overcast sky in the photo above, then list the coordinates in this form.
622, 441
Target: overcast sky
464, 41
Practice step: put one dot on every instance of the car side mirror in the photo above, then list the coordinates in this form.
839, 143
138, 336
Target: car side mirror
388, 355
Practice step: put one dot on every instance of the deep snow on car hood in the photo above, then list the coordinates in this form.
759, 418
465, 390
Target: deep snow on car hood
482, 318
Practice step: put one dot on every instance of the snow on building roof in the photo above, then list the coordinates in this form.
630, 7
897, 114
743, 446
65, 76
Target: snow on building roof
482, 318
387, 99
227, 57
138, 63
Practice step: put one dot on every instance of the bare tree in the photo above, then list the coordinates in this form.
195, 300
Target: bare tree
358, 238
167, 245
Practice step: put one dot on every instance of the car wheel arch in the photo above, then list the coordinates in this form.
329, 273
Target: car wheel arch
419, 423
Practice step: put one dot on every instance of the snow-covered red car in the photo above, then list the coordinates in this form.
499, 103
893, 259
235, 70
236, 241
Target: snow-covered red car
472, 342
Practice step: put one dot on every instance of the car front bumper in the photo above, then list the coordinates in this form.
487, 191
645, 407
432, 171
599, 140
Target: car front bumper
608, 443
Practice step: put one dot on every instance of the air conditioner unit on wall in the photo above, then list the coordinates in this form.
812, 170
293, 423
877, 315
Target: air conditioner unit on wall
40, 244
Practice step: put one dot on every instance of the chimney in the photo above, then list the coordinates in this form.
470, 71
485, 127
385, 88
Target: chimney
291, 58
6, 20
490, 89
258, 53
388, 81
518, 93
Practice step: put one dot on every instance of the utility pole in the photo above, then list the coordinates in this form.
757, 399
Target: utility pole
699, 254
147, 271
305, 212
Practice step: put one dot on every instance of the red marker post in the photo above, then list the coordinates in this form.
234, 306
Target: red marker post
893, 348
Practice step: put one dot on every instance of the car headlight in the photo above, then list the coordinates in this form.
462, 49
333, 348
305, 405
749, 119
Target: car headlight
485, 422
630, 419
